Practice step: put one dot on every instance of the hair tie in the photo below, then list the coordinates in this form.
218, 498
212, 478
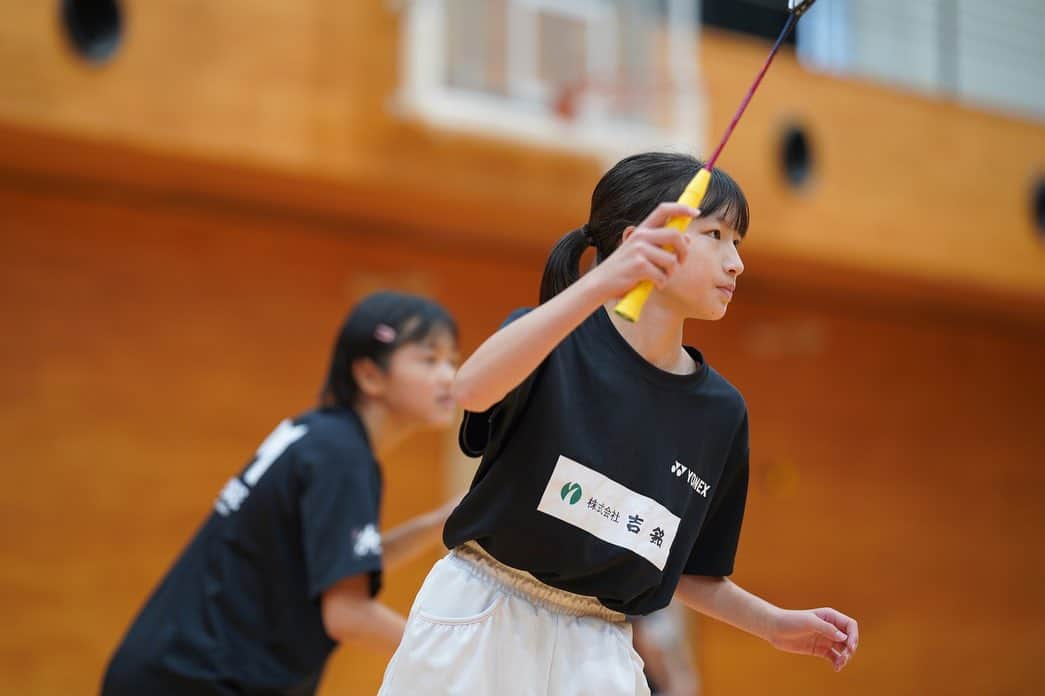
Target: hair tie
588, 237
385, 333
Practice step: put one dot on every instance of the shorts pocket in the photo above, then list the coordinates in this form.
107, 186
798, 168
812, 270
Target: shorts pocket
451, 595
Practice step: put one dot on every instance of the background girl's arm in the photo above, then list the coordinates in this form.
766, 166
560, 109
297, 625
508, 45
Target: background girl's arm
667, 658
350, 614
508, 357
821, 632
415, 536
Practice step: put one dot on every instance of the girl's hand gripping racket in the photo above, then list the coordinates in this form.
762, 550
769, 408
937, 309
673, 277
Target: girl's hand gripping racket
631, 306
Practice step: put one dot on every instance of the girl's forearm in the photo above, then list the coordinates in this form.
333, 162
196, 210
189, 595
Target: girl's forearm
415, 536
375, 625
349, 613
411, 539
508, 357
722, 599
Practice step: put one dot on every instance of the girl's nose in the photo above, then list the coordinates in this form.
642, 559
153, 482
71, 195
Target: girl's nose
447, 373
734, 264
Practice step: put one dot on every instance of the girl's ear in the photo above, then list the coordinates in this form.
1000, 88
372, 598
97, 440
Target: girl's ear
628, 231
369, 377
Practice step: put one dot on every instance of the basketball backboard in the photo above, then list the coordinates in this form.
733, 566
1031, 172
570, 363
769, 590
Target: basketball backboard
601, 76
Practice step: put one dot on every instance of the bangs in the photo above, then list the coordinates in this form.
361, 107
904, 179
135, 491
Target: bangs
723, 198
420, 327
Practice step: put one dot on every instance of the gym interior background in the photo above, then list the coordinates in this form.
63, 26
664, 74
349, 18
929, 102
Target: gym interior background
193, 193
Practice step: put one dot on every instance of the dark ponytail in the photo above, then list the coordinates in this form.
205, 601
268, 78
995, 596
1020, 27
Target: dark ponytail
564, 264
624, 196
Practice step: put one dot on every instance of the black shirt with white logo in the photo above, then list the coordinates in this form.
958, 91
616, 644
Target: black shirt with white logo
605, 476
239, 611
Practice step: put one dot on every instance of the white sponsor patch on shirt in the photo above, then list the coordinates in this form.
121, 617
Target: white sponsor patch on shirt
614, 513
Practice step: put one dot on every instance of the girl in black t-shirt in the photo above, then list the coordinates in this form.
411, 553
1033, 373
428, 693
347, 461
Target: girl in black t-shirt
615, 465
290, 559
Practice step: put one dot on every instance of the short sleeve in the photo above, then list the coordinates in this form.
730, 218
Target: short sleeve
339, 508
716, 546
477, 428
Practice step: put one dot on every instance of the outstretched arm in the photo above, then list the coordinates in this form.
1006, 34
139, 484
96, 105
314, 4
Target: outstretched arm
505, 359
350, 614
821, 632
415, 536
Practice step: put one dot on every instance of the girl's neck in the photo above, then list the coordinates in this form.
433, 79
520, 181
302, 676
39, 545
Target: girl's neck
383, 429
657, 337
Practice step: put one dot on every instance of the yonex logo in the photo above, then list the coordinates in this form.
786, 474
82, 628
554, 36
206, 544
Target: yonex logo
571, 493
696, 483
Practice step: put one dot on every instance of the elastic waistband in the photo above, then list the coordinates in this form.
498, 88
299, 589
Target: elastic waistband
526, 586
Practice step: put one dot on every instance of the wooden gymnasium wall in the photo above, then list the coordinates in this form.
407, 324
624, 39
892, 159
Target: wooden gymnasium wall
182, 231
307, 88
149, 347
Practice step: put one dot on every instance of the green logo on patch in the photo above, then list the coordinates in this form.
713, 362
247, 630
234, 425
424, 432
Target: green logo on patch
571, 492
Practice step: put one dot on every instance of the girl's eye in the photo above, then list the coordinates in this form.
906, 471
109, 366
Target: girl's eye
717, 234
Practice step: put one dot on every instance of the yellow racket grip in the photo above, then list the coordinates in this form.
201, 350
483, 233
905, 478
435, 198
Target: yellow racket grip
631, 306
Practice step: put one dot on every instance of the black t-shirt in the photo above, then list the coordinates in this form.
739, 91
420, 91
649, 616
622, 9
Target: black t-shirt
240, 607
605, 476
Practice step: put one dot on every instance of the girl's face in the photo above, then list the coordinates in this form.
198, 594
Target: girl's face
704, 284
418, 379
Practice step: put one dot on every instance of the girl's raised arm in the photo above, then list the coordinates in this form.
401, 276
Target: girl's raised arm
508, 357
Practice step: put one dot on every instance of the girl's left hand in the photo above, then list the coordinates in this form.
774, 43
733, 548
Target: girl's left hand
822, 632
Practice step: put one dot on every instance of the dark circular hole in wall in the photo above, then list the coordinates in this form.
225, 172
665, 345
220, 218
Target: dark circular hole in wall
796, 156
94, 27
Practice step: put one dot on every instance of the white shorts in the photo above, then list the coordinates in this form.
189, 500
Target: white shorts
481, 628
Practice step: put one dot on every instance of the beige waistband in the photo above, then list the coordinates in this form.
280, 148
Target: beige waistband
522, 584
